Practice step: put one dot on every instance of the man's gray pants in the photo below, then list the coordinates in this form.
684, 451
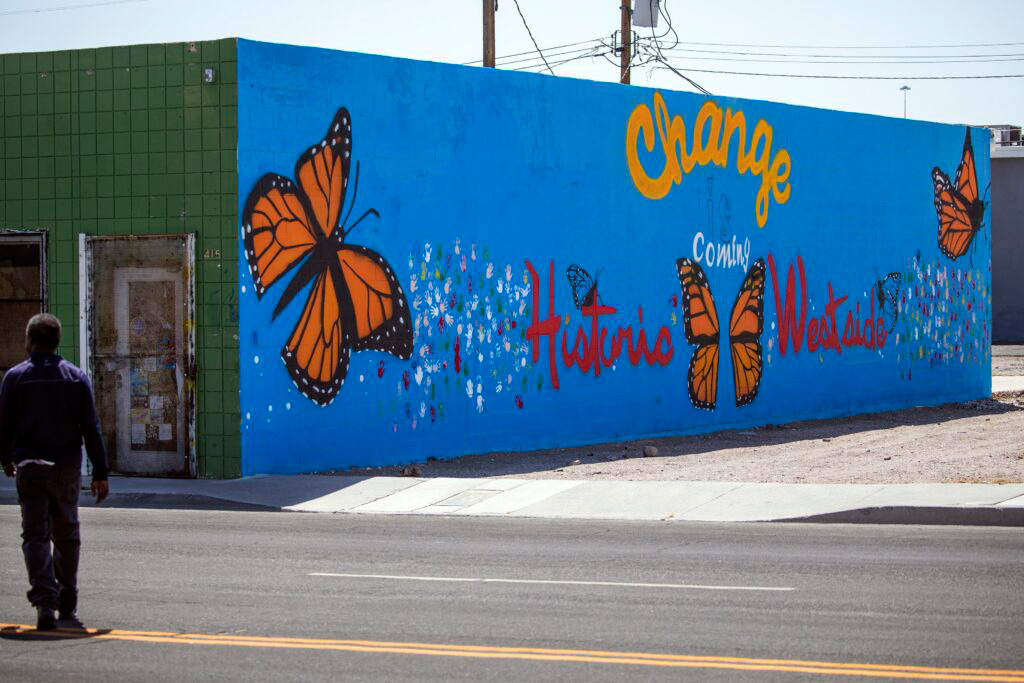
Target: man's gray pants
48, 495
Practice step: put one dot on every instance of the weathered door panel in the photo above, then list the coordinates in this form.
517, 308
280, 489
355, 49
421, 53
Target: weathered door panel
139, 311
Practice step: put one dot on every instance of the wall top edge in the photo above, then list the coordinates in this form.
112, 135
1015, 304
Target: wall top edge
117, 46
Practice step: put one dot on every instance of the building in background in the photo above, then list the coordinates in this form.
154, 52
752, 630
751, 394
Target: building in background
1007, 234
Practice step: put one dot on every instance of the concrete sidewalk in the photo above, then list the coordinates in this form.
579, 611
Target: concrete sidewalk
969, 504
1007, 383
1003, 361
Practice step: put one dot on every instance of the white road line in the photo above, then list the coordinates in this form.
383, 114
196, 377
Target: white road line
456, 579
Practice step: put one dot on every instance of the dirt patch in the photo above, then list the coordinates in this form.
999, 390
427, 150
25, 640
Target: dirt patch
1008, 365
978, 441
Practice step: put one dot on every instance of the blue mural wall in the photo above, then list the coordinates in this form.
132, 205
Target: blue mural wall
438, 260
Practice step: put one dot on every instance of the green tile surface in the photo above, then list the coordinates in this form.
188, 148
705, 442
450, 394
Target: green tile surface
131, 141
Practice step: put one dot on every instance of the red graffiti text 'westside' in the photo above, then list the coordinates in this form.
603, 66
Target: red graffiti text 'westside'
822, 333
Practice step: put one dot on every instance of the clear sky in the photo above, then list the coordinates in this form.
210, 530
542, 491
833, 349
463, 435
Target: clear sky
839, 30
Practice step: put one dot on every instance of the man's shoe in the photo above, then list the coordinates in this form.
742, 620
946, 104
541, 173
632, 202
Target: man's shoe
45, 619
69, 620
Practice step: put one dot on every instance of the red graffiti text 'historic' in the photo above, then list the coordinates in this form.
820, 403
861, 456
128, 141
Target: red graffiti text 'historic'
588, 351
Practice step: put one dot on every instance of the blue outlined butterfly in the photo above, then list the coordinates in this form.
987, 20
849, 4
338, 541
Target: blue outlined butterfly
888, 294
584, 287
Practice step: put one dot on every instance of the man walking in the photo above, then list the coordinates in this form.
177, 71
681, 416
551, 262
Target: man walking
46, 410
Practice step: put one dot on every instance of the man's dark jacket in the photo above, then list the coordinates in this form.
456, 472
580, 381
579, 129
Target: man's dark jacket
46, 410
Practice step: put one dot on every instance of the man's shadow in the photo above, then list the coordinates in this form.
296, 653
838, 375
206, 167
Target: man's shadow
25, 633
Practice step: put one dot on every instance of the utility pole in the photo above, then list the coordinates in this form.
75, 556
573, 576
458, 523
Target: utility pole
489, 7
627, 33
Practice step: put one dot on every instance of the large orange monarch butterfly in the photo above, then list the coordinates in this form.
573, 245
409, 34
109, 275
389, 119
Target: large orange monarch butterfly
355, 302
700, 319
959, 208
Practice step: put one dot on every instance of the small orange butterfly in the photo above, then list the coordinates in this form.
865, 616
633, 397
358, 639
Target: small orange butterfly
700, 318
957, 205
355, 303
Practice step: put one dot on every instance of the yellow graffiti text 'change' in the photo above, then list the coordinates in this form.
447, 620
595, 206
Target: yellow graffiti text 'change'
712, 135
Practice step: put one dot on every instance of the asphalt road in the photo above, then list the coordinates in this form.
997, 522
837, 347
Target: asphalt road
246, 584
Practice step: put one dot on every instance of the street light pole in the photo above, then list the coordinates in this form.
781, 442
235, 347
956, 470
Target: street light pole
905, 89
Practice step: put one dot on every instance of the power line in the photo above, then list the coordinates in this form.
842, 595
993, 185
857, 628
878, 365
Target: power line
593, 53
550, 54
530, 52
609, 49
840, 56
851, 61
853, 47
857, 78
682, 75
663, 11
532, 38
62, 8
541, 66
659, 56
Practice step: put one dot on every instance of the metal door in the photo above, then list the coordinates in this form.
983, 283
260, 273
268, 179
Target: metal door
137, 315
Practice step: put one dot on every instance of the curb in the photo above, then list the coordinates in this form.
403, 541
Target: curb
923, 515
160, 501
976, 515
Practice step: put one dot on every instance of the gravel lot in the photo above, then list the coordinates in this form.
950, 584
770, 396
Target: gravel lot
978, 442
1009, 365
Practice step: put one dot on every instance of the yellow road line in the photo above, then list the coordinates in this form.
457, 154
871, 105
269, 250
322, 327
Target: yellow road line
546, 654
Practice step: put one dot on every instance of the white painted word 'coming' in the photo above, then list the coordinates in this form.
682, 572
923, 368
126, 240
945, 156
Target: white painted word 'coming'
721, 254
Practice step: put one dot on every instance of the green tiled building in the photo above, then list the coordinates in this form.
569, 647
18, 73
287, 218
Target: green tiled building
131, 143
